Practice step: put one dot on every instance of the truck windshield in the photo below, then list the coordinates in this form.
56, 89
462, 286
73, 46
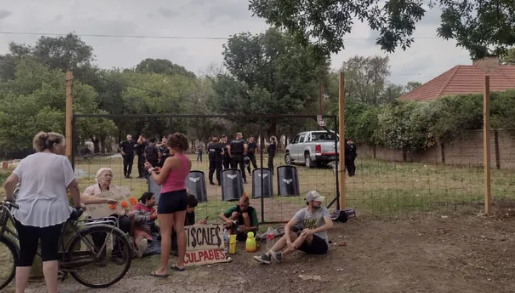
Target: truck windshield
322, 136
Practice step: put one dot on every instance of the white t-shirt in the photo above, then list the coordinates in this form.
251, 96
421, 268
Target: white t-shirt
43, 197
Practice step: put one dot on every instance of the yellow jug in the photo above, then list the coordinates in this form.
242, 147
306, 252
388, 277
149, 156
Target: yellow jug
250, 244
232, 244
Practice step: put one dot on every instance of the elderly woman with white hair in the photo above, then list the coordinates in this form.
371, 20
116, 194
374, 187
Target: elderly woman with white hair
103, 181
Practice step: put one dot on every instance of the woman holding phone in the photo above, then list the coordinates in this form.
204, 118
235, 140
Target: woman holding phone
171, 209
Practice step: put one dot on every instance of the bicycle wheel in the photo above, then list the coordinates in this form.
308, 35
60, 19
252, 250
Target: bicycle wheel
87, 266
9, 254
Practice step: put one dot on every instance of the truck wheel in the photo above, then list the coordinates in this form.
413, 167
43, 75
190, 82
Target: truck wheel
309, 162
287, 159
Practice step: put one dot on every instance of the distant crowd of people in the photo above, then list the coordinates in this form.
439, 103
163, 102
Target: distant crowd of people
223, 153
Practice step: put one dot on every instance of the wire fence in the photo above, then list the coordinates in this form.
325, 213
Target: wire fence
200, 130
441, 180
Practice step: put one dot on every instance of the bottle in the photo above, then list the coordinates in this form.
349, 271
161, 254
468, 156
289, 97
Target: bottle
226, 241
250, 244
232, 244
269, 237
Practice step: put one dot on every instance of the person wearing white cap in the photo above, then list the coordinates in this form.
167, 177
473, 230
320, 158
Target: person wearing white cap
313, 239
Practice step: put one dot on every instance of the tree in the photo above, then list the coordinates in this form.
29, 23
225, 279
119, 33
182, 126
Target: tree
269, 74
64, 53
508, 57
35, 101
478, 26
365, 78
412, 85
162, 66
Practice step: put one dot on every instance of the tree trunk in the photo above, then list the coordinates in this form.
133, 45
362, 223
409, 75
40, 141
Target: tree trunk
96, 145
103, 144
272, 129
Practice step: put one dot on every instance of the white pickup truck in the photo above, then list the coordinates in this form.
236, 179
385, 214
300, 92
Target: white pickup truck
312, 148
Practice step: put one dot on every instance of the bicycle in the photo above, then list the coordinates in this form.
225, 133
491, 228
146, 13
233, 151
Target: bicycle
71, 260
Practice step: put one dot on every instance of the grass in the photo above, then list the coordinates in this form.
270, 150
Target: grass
380, 188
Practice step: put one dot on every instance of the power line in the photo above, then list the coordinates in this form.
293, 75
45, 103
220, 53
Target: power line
163, 37
115, 36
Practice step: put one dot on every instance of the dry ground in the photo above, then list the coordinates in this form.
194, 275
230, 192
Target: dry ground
427, 243
461, 254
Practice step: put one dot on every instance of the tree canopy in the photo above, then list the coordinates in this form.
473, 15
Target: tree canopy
480, 26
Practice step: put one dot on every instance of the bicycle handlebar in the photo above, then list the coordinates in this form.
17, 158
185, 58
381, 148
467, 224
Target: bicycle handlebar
10, 204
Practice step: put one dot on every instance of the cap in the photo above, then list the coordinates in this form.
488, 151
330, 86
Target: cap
314, 195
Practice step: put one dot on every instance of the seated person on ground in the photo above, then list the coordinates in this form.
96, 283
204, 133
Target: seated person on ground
313, 239
144, 215
192, 203
241, 219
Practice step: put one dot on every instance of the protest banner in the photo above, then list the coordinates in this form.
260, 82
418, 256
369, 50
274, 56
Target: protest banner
120, 194
205, 245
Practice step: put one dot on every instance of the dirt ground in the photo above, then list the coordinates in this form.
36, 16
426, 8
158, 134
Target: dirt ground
462, 254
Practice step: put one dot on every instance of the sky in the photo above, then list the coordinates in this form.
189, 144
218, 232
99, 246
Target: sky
428, 57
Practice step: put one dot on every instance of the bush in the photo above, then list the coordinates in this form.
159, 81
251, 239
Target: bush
414, 126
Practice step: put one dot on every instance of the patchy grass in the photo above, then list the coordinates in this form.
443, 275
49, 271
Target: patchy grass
380, 188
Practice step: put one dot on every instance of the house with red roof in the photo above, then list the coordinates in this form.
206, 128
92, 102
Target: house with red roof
465, 79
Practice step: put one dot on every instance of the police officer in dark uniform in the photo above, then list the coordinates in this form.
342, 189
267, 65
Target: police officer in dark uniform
237, 150
253, 148
165, 152
140, 146
226, 159
216, 152
127, 149
353, 154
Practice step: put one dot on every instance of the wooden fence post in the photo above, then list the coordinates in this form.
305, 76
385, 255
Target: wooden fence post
486, 144
69, 112
341, 165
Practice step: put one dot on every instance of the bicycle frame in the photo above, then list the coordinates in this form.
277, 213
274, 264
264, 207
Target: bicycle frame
65, 266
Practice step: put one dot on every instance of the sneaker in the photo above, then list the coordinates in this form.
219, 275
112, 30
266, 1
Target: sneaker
142, 248
278, 256
265, 259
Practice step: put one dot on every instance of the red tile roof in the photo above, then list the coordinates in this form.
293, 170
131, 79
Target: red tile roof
463, 79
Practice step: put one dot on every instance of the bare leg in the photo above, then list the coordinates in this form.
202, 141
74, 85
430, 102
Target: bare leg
50, 273
246, 220
166, 224
179, 218
22, 278
281, 243
298, 243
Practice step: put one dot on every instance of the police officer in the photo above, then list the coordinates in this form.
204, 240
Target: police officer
165, 152
226, 159
253, 148
353, 154
140, 146
216, 153
127, 150
237, 150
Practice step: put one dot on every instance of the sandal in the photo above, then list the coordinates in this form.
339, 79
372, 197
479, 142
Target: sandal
153, 274
176, 268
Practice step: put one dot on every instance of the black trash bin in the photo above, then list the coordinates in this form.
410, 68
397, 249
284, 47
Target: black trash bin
287, 181
153, 187
265, 176
232, 184
196, 184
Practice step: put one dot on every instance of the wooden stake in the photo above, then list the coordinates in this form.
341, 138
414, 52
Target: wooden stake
341, 121
486, 144
69, 109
